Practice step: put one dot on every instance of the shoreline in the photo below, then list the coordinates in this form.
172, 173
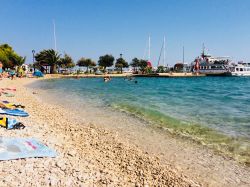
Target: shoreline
170, 165
163, 75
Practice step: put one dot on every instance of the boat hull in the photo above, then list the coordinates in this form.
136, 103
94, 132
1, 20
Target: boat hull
243, 74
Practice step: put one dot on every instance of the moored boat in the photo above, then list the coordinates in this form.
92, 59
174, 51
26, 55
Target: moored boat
241, 69
209, 65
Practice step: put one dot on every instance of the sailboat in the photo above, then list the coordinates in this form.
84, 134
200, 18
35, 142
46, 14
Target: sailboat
163, 65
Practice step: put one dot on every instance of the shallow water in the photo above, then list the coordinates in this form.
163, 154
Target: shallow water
211, 110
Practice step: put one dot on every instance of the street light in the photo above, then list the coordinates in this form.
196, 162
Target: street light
33, 52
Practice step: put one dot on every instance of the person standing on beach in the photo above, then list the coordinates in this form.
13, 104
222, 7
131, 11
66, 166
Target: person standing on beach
1, 69
12, 74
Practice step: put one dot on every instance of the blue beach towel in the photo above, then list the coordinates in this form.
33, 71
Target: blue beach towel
14, 112
16, 148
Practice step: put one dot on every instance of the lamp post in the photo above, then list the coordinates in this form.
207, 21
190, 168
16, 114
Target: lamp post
183, 59
33, 52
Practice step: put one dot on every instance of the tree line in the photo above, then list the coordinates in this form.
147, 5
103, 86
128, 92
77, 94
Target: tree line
53, 59
50, 57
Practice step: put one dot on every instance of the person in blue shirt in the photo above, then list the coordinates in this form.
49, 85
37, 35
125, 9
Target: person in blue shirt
12, 74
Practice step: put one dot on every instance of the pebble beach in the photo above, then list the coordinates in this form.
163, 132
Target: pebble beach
90, 155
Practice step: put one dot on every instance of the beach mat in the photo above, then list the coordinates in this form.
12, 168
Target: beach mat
8, 94
16, 148
14, 112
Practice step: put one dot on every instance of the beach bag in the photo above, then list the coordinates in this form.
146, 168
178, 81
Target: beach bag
10, 123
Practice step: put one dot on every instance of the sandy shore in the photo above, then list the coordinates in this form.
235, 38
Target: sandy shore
90, 155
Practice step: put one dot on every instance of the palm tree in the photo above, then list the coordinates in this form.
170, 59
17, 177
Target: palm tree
48, 57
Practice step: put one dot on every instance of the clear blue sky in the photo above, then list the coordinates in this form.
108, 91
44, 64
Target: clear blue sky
96, 27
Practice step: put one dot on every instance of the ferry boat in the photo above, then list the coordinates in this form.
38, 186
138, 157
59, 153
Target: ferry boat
209, 65
241, 69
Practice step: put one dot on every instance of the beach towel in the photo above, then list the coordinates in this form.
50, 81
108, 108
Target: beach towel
8, 94
7, 104
10, 89
16, 148
10, 123
14, 112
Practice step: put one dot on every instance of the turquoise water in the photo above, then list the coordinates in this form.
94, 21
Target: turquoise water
213, 110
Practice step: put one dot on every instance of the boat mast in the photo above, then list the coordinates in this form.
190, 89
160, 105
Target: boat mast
183, 58
183, 55
203, 50
149, 48
54, 34
164, 52
158, 64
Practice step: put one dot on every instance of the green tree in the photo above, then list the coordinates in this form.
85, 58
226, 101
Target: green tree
148, 69
160, 69
66, 62
17, 60
106, 61
48, 57
86, 63
135, 63
92, 66
143, 65
9, 57
121, 63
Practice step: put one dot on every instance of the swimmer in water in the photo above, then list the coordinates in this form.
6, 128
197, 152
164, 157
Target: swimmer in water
106, 79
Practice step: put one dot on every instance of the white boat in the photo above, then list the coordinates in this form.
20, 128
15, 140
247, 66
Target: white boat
209, 65
242, 69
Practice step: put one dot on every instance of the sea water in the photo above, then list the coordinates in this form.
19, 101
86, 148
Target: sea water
213, 111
